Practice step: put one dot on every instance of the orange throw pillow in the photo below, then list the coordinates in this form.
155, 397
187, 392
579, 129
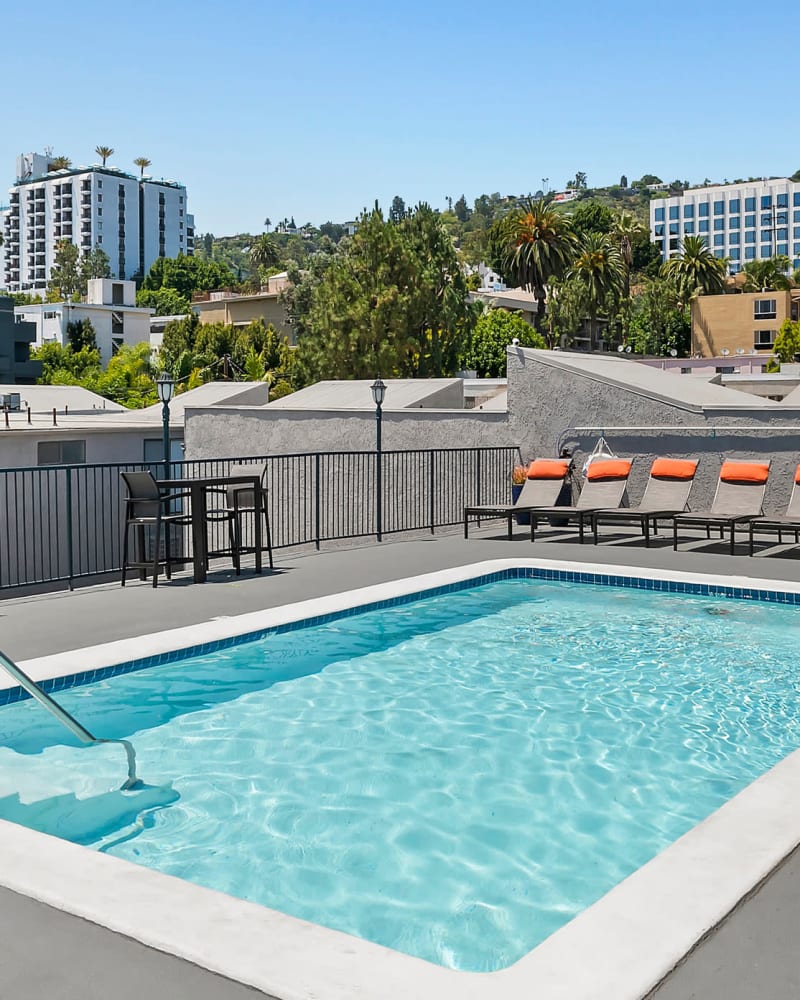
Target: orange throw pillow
744, 472
548, 468
797, 474
610, 468
674, 468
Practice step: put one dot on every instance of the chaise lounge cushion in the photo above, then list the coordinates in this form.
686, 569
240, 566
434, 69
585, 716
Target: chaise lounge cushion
674, 468
548, 468
612, 468
744, 472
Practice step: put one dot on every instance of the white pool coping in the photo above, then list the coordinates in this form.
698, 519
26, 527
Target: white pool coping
619, 948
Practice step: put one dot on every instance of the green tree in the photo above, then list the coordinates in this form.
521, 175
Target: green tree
104, 152
80, 335
537, 245
165, 301
695, 270
65, 276
462, 211
187, 275
599, 269
767, 275
566, 311
142, 163
660, 322
264, 252
591, 217
787, 342
493, 333
63, 366
95, 264
398, 210
59, 163
625, 230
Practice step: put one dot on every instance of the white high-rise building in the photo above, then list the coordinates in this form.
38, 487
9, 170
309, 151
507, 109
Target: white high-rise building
753, 220
134, 220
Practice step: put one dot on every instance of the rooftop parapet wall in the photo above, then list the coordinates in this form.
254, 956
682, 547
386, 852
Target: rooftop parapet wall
551, 393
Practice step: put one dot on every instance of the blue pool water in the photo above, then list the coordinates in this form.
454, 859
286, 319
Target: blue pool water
454, 778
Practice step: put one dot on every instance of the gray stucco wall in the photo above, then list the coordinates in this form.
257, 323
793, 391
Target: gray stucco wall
234, 431
545, 401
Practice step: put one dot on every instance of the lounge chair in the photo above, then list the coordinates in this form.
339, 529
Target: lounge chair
778, 523
604, 488
739, 498
666, 494
546, 476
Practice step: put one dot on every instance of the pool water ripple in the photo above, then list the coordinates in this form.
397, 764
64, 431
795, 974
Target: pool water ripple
455, 778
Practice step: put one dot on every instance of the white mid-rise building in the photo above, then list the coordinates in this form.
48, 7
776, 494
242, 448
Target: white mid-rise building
111, 308
741, 222
134, 220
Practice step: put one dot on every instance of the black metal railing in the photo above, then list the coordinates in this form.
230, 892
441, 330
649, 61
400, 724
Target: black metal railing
63, 523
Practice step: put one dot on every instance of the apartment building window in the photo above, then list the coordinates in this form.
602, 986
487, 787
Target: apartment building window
749, 221
766, 250
734, 239
734, 222
116, 345
733, 205
702, 209
686, 371
782, 218
719, 253
783, 201
719, 208
674, 212
750, 237
749, 253
766, 201
659, 215
783, 234
180, 212
719, 240
659, 230
99, 239
688, 228
61, 453
765, 309
673, 243
117, 295
735, 254
763, 338
99, 182
749, 204
783, 249
703, 224
99, 211
674, 228
719, 224
766, 219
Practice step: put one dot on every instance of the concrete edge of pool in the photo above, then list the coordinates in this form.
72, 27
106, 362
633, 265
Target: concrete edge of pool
620, 947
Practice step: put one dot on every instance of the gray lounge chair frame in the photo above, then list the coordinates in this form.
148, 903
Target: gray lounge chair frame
597, 494
735, 503
664, 496
535, 493
778, 523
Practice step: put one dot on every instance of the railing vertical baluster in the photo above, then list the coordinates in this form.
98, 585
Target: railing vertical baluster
68, 504
432, 487
316, 498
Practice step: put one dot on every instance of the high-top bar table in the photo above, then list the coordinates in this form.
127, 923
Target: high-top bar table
197, 487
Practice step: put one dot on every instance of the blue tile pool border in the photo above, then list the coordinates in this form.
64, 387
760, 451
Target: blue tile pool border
14, 694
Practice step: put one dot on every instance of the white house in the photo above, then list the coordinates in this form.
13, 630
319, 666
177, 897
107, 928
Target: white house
110, 307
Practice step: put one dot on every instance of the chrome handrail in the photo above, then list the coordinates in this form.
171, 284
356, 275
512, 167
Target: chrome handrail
66, 719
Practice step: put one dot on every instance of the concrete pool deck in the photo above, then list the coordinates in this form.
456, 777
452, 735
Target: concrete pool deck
751, 954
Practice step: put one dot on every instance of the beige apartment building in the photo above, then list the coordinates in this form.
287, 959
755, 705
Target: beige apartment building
239, 310
740, 323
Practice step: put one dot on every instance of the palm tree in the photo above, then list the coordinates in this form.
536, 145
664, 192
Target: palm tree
695, 269
263, 252
768, 275
104, 152
538, 247
625, 231
599, 270
60, 163
142, 163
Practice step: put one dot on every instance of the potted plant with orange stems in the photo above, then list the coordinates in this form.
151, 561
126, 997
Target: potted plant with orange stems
518, 476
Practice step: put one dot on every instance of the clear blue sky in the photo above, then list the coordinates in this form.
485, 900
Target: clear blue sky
315, 110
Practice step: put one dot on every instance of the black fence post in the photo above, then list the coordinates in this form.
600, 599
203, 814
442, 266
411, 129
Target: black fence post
70, 557
432, 488
478, 484
316, 498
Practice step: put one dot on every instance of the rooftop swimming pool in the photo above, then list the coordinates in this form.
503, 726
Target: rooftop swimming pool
454, 777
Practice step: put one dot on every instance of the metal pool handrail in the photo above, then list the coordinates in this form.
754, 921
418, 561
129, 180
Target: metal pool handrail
66, 719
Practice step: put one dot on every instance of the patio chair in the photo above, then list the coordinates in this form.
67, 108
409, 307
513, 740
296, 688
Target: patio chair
147, 507
240, 502
546, 476
666, 494
738, 499
778, 523
604, 489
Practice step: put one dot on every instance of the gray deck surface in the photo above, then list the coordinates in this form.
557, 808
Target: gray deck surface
752, 955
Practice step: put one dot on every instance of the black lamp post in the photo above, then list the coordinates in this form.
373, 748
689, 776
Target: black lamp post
166, 389
378, 393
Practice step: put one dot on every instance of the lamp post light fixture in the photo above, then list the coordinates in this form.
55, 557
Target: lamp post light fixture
378, 388
165, 384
